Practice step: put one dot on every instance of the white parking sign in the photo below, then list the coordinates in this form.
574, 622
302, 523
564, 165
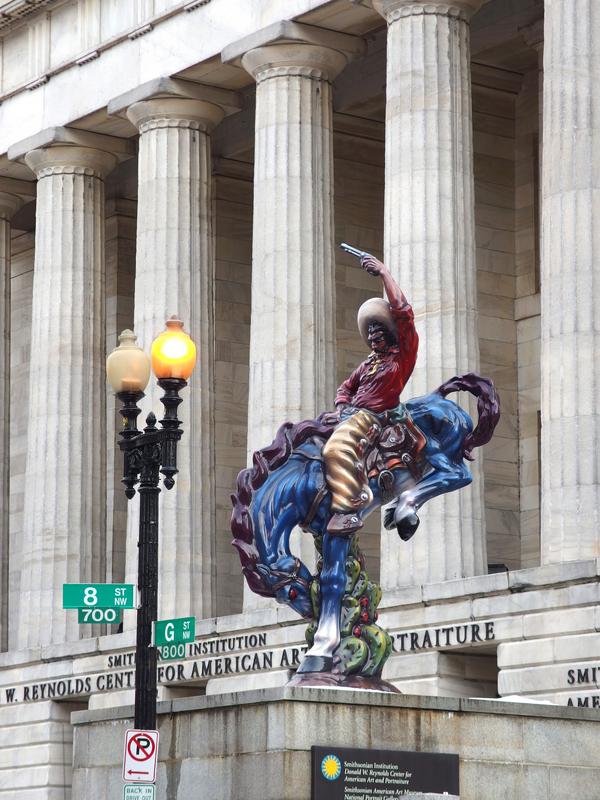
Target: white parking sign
140, 756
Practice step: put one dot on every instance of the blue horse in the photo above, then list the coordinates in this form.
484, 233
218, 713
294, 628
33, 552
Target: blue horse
286, 487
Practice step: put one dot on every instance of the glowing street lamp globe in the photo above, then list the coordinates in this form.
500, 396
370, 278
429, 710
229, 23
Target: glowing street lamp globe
173, 352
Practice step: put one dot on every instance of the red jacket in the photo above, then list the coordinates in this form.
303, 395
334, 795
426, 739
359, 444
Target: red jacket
376, 384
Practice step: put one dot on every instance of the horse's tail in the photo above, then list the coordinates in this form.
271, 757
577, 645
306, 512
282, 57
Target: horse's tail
488, 407
288, 438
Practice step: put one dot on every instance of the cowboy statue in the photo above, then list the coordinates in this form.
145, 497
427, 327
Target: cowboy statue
326, 475
365, 400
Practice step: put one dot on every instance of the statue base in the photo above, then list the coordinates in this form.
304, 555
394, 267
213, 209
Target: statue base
512, 749
333, 680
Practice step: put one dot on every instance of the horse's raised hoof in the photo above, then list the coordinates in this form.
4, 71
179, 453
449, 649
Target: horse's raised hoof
407, 526
316, 664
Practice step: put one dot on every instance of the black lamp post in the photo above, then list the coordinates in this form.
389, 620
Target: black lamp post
146, 455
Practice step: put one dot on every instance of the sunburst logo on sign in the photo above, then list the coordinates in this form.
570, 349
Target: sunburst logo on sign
331, 767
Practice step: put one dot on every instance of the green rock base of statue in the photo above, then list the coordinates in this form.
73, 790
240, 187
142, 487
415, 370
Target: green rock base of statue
364, 646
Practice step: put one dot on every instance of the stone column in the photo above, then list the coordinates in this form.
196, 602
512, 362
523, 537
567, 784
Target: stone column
429, 244
570, 283
292, 341
65, 479
292, 336
175, 275
9, 205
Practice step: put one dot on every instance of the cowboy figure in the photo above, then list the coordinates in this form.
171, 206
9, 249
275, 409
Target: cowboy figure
362, 400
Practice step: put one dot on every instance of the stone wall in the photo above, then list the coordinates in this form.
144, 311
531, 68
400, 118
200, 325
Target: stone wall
120, 278
233, 206
493, 143
36, 751
527, 313
66, 31
257, 744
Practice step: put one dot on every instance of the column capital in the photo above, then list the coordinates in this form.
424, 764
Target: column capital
174, 112
293, 48
70, 160
307, 60
62, 139
173, 100
393, 10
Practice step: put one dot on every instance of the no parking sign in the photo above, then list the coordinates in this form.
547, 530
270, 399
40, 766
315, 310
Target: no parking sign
140, 756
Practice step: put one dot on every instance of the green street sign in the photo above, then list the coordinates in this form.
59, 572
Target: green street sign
113, 616
173, 631
136, 791
98, 595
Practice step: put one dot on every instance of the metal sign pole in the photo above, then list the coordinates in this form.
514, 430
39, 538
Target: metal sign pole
146, 658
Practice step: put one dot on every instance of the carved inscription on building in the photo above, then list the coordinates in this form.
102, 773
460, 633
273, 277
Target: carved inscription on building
449, 636
585, 677
218, 657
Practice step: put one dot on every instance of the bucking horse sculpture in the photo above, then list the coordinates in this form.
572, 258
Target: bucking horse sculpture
328, 474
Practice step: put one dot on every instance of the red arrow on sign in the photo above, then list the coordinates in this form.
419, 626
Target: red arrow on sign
137, 772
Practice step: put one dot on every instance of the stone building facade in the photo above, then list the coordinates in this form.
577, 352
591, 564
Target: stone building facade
205, 158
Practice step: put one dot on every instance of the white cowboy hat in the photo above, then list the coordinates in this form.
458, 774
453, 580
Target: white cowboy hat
376, 309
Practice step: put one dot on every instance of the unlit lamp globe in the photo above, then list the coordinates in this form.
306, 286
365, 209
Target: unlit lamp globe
173, 352
128, 366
